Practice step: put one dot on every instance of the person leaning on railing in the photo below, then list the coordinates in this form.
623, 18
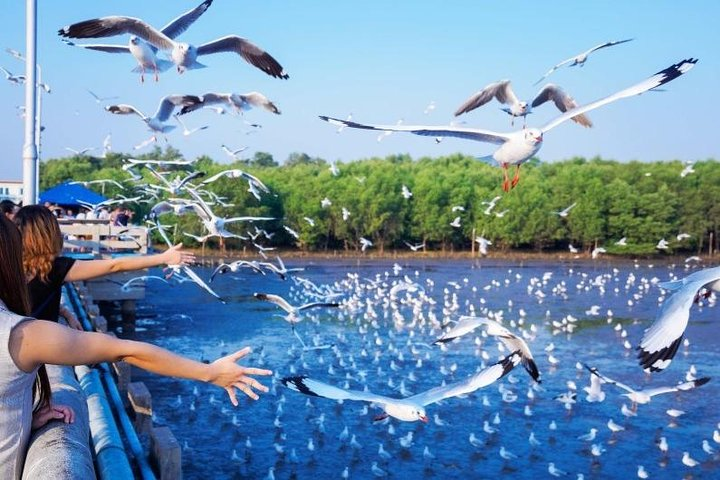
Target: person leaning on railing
46, 270
27, 344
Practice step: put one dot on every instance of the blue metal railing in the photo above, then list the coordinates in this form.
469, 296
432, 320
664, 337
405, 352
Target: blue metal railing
136, 448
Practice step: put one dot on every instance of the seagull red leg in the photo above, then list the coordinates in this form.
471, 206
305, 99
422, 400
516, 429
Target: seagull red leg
516, 178
505, 184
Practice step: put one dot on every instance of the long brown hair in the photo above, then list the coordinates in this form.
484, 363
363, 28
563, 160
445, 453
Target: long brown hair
14, 294
41, 238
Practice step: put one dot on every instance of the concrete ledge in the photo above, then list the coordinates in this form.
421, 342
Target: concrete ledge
59, 450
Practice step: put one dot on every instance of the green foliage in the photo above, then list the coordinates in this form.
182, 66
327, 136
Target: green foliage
641, 201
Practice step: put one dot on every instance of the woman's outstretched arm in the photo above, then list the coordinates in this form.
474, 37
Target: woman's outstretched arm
35, 342
87, 269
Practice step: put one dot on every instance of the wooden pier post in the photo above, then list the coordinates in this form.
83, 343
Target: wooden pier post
141, 404
166, 453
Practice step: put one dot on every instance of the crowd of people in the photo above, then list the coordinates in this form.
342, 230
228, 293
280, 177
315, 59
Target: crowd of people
32, 272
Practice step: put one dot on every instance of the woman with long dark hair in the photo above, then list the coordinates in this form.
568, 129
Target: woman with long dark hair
27, 344
46, 269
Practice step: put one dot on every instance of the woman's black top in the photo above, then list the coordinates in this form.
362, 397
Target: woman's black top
45, 296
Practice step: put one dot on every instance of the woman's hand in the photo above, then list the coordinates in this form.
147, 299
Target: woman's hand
226, 373
52, 412
176, 256
71, 319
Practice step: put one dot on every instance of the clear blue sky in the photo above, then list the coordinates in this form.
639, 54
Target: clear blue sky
382, 61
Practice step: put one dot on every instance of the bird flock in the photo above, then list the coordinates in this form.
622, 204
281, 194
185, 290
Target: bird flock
410, 370
396, 359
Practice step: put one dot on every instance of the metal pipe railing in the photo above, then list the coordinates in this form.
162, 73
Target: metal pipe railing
136, 448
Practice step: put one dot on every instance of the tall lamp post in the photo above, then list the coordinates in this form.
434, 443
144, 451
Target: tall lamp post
30, 154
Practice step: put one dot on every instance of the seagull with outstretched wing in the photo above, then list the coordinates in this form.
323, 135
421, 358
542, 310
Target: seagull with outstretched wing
515, 148
467, 324
661, 340
183, 55
581, 58
412, 408
144, 52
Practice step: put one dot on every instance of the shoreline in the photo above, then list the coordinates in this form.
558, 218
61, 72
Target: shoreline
217, 256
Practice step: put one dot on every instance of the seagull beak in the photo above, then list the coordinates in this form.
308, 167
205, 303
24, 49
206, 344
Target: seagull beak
424, 418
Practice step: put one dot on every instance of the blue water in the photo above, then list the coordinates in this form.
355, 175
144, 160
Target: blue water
186, 320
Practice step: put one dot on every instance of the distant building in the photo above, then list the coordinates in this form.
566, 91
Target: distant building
11, 189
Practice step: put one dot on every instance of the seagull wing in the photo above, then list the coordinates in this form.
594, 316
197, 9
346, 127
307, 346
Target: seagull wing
257, 99
183, 22
206, 99
514, 343
660, 78
662, 339
651, 392
124, 109
470, 384
169, 102
606, 44
562, 100
277, 300
505, 94
549, 72
100, 47
315, 388
247, 219
608, 380
116, 25
464, 326
195, 278
430, 131
318, 304
191, 177
252, 54
499, 90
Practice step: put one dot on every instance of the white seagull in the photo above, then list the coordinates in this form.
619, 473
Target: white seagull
144, 52
16, 79
503, 92
183, 55
214, 224
156, 123
409, 409
513, 342
240, 102
178, 270
564, 213
661, 341
292, 311
581, 58
186, 131
641, 397
515, 148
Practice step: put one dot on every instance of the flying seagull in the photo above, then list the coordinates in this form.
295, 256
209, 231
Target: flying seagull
240, 102
292, 311
146, 53
640, 397
564, 213
467, 324
502, 91
581, 58
412, 408
515, 148
183, 55
156, 123
661, 341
